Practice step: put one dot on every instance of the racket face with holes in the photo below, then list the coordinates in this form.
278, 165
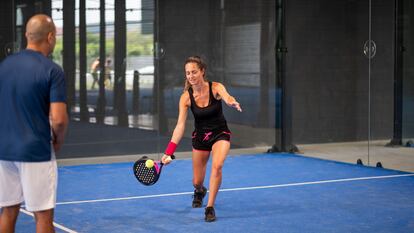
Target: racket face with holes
145, 175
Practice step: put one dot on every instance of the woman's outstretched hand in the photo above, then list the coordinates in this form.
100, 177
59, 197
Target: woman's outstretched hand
235, 104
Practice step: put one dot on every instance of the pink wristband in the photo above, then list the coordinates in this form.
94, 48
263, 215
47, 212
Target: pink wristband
170, 148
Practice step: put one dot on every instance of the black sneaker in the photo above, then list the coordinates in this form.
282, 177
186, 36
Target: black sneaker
198, 197
210, 214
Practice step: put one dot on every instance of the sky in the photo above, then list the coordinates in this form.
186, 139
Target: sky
92, 15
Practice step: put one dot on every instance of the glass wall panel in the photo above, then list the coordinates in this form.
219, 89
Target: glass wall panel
407, 73
237, 41
57, 16
383, 106
120, 87
391, 92
327, 98
105, 87
333, 79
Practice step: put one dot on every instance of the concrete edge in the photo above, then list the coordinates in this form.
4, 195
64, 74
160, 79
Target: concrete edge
134, 157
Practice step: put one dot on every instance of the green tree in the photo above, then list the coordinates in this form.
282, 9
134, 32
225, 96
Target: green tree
137, 45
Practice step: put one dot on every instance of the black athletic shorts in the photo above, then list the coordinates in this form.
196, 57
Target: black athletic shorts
205, 140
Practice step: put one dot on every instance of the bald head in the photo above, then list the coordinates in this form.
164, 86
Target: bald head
38, 27
40, 33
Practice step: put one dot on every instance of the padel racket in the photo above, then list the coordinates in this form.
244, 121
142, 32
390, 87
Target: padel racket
148, 176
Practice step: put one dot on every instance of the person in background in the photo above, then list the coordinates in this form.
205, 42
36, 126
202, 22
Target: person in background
94, 72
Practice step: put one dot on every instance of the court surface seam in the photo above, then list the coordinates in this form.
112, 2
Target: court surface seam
239, 189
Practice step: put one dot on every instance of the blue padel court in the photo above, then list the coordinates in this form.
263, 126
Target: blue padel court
259, 193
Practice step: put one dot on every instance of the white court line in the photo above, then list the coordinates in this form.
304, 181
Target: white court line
124, 198
65, 229
238, 189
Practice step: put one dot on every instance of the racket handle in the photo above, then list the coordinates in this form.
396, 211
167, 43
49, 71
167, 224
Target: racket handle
170, 158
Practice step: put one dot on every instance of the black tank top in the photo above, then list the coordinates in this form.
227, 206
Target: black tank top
210, 117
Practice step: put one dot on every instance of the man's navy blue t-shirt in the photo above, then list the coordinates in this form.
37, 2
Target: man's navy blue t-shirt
29, 82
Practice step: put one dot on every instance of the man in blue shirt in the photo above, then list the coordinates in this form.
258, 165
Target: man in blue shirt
33, 122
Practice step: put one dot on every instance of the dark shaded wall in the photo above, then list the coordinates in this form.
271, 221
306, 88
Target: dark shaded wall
408, 70
204, 28
328, 75
6, 26
382, 70
183, 31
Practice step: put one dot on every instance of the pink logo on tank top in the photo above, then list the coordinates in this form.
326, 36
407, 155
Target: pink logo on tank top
207, 136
